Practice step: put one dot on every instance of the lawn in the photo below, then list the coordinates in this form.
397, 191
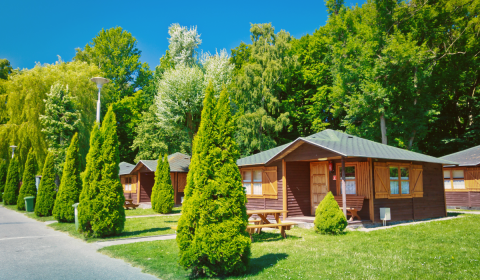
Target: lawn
135, 227
149, 211
440, 249
29, 214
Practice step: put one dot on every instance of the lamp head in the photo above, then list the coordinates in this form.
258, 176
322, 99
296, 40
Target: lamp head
99, 81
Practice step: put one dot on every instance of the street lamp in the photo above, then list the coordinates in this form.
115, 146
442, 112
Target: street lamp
13, 150
100, 82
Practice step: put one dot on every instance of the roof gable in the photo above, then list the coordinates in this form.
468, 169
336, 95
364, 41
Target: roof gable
178, 163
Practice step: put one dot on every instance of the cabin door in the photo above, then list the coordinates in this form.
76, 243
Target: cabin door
318, 183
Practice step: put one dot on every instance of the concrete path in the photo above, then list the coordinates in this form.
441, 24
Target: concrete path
31, 250
154, 215
101, 244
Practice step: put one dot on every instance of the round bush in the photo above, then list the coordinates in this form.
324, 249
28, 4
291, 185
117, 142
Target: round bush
329, 219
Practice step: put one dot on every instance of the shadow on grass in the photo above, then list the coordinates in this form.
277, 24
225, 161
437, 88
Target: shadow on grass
450, 214
143, 231
271, 236
257, 265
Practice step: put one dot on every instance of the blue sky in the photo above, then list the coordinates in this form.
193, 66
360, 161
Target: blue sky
38, 31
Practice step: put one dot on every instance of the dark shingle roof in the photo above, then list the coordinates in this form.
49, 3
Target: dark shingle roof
178, 163
344, 145
125, 168
468, 157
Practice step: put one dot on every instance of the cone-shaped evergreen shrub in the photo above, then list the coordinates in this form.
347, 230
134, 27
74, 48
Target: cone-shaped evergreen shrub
70, 185
162, 193
46, 190
109, 214
329, 219
212, 233
28, 181
90, 182
10, 194
3, 176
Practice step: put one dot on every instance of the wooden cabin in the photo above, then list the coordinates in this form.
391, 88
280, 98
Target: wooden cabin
138, 182
297, 176
462, 182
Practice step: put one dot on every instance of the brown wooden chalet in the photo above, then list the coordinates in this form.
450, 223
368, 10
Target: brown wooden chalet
138, 180
462, 182
297, 176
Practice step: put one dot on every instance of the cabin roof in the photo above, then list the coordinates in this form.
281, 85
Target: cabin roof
125, 168
178, 163
468, 157
343, 145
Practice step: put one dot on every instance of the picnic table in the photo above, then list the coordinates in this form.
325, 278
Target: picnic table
265, 223
129, 204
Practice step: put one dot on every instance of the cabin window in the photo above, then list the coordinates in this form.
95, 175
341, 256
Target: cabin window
252, 182
446, 179
458, 179
350, 182
399, 180
128, 184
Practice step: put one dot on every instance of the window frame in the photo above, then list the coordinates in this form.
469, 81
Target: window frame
339, 177
400, 195
252, 182
451, 179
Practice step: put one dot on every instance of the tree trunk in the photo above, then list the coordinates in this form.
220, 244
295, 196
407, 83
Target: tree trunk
410, 142
383, 128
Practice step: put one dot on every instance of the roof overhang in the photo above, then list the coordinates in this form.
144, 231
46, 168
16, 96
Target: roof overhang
138, 166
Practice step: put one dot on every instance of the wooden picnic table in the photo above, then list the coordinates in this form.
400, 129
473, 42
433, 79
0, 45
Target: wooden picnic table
265, 223
129, 204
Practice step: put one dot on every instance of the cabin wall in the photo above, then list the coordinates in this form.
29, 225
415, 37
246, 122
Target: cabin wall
431, 205
147, 180
465, 199
130, 195
268, 203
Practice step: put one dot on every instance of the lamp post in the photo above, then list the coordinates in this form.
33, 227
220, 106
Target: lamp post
100, 82
13, 150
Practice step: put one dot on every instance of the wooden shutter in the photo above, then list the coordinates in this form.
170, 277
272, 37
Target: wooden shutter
416, 180
269, 182
122, 180
382, 173
363, 179
472, 178
134, 184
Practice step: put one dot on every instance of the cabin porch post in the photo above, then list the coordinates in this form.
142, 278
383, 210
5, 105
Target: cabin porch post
344, 195
284, 188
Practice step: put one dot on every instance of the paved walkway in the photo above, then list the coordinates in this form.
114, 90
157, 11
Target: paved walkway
31, 250
154, 215
101, 244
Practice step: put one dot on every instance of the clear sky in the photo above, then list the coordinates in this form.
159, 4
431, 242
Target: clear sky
38, 31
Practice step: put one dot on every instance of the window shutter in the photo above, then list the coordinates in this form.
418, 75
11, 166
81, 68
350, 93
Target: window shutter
122, 180
382, 174
416, 180
472, 178
363, 179
134, 184
269, 182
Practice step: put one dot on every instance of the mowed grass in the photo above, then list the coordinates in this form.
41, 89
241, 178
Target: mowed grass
447, 249
31, 215
135, 227
144, 212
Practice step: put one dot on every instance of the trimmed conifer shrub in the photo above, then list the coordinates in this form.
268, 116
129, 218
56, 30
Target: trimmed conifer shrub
3, 176
70, 185
28, 181
329, 218
46, 189
211, 232
162, 193
90, 182
10, 194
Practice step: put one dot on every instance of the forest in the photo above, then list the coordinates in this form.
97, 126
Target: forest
402, 73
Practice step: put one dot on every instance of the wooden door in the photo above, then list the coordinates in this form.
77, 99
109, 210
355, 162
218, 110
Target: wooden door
318, 183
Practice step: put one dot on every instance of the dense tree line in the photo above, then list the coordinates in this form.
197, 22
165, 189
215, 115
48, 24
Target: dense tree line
403, 73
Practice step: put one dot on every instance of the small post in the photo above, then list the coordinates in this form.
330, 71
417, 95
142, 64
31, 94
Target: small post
13, 150
76, 215
344, 195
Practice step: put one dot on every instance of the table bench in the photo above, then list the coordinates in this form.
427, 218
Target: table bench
354, 204
263, 222
129, 204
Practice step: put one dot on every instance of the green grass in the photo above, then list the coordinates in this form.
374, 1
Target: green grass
135, 227
143, 212
435, 250
31, 215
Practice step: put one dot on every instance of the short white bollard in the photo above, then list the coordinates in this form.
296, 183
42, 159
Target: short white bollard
76, 215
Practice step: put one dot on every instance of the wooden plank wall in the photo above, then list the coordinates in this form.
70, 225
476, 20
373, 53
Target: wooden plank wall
431, 205
463, 199
267, 203
298, 188
146, 185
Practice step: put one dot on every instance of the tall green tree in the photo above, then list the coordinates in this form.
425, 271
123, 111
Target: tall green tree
60, 122
46, 190
3, 176
90, 182
70, 186
212, 233
260, 88
162, 192
10, 194
28, 181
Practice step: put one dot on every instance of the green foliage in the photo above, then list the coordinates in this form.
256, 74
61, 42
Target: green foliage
3, 176
212, 233
329, 219
10, 194
70, 186
115, 52
28, 181
60, 121
162, 193
5, 68
46, 190
90, 182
